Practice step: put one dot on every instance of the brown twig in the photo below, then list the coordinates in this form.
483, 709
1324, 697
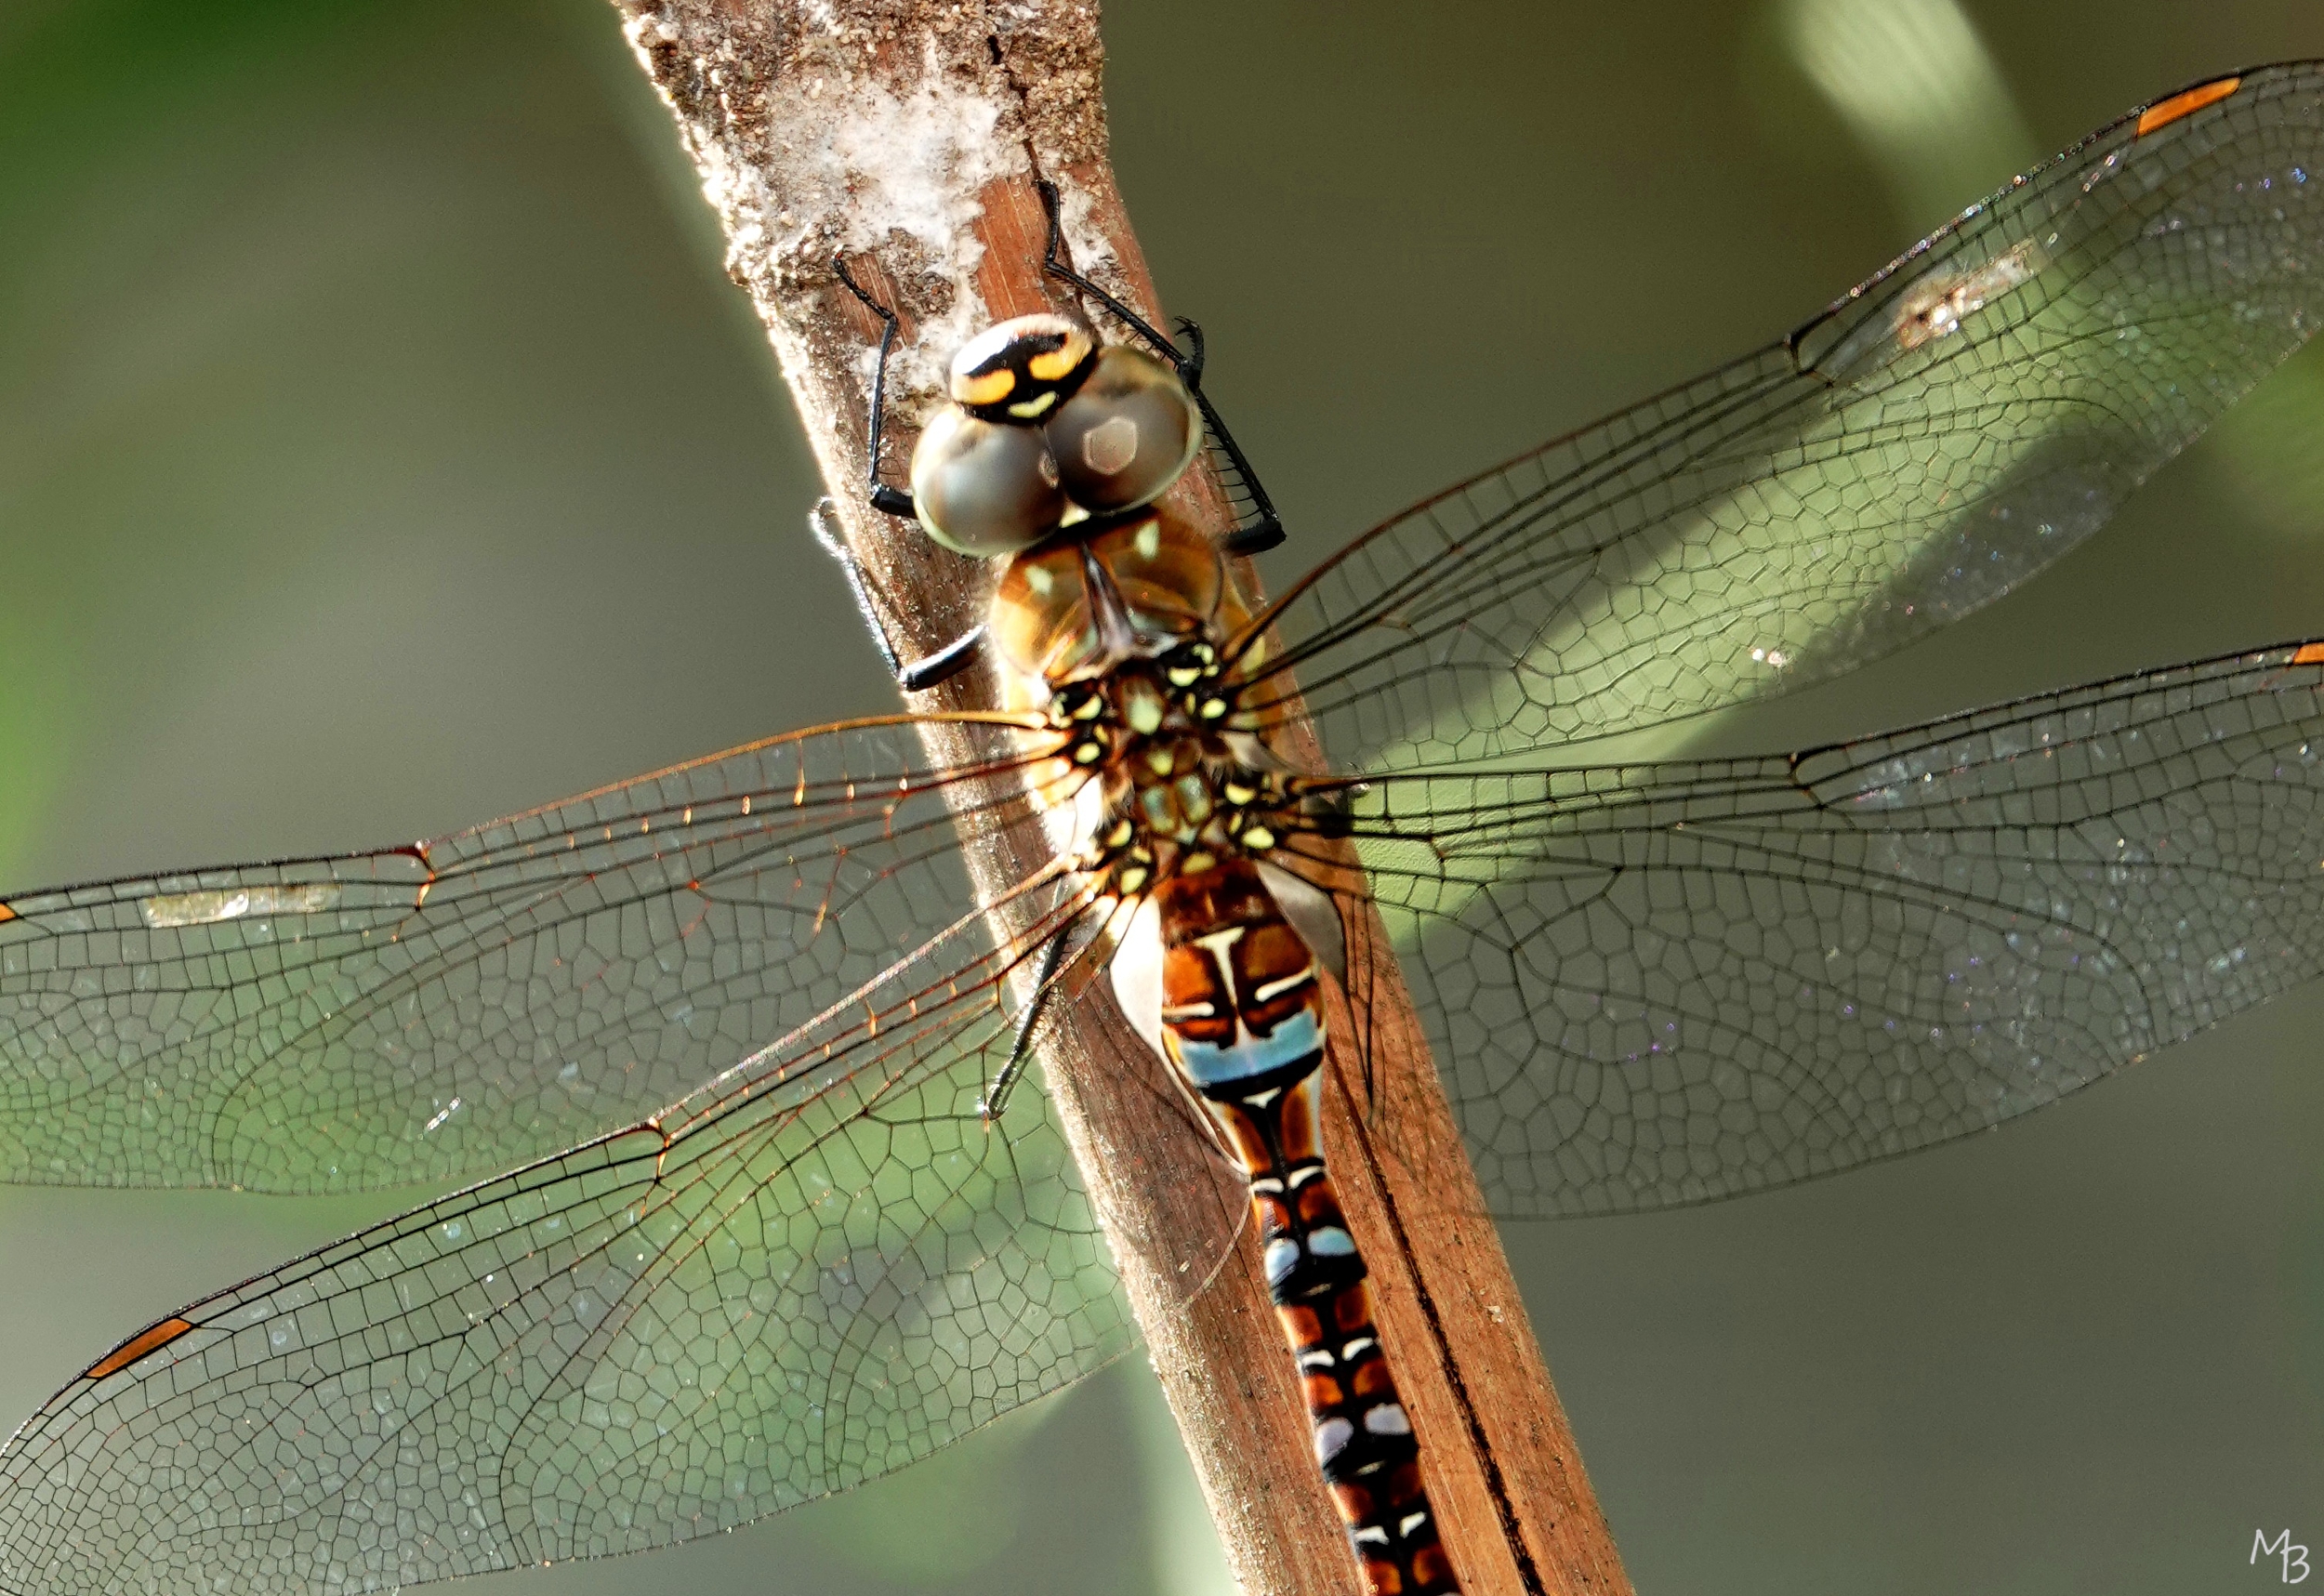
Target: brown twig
907, 133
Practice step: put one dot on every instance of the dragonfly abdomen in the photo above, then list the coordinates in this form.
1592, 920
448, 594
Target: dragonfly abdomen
1241, 1018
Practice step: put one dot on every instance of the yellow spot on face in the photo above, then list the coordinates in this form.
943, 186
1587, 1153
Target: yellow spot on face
135, 1347
1033, 408
990, 389
1149, 540
2186, 103
2310, 654
1059, 361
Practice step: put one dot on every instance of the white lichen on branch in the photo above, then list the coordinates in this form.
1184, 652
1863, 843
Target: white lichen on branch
873, 131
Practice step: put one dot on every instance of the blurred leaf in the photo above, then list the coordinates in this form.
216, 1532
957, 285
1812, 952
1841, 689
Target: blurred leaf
1915, 85
2270, 440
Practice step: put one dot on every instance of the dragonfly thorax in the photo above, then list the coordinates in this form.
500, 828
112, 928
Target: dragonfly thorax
1170, 792
1123, 633
1129, 588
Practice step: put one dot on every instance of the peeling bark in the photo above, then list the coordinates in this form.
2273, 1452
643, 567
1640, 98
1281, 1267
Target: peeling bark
907, 133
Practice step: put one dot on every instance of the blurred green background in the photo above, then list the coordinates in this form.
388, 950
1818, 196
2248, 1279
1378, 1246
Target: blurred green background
382, 448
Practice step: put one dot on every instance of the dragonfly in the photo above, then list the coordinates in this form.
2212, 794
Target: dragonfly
731, 1030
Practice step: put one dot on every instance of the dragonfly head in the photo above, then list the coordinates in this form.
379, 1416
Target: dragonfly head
1048, 428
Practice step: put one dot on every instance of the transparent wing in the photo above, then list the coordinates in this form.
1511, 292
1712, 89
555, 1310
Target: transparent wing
1664, 984
453, 1008
1944, 431
814, 1270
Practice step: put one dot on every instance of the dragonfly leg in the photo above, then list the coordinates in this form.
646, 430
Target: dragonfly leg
954, 657
889, 500
1259, 527
995, 1101
920, 674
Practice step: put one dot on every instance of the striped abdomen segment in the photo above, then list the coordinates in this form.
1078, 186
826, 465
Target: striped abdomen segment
1242, 1018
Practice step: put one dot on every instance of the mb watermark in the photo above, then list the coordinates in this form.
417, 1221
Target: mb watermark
2291, 1560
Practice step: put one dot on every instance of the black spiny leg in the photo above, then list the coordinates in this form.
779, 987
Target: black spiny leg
954, 657
889, 501
1264, 529
995, 1101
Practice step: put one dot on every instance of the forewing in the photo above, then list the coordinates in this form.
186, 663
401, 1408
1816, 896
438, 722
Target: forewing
816, 1270
1657, 985
454, 1008
1946, 430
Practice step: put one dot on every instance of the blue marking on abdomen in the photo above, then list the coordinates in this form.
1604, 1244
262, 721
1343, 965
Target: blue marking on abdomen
1294, 1039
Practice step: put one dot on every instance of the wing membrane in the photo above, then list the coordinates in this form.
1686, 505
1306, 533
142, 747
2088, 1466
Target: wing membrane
1657, 985
816, 1269
453, 1008
1944, 431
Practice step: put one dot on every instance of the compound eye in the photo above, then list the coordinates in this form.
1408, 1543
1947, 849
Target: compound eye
1127, 434
983, 488
1020, 370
